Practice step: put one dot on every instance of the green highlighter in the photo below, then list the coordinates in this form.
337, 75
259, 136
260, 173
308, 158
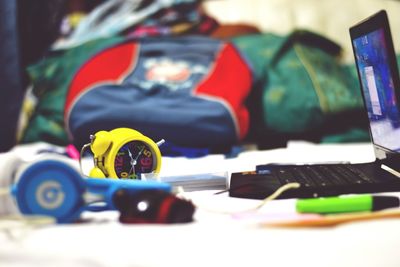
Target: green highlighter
343, 204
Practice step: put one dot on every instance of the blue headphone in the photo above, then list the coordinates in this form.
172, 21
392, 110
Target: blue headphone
54, 188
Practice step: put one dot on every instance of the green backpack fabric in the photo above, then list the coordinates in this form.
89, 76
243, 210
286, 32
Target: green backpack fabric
302, 90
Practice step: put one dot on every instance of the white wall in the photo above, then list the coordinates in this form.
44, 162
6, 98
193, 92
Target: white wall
332, 18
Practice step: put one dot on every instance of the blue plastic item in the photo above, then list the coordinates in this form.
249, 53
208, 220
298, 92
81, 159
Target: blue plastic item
53, 188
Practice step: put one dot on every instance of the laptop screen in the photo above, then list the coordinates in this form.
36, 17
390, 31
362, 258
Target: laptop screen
372, 54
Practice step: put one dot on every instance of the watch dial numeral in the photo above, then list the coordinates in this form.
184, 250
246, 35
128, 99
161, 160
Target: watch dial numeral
118, 162
147, 153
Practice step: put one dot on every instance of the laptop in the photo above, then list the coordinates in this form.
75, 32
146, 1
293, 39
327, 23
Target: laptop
380, 85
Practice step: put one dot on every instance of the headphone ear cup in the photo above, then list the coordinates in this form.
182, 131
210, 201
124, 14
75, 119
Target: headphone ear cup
101, 142
50, 187
96, 173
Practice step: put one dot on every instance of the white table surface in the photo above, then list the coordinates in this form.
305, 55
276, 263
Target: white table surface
215, 238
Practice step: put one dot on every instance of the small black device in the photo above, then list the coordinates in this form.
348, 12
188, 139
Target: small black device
380, 86
152, 206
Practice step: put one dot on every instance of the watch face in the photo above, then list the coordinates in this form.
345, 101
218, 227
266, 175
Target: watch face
134, 158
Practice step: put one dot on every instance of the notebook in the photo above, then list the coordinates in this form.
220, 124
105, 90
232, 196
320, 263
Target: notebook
380, 85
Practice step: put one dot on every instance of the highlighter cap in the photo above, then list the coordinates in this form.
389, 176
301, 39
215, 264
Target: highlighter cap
385, 202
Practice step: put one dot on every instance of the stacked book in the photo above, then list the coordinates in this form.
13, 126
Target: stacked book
194, 182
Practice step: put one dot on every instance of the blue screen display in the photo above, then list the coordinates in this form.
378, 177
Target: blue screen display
378, 88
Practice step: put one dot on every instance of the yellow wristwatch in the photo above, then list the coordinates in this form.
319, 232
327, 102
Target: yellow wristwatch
123, 153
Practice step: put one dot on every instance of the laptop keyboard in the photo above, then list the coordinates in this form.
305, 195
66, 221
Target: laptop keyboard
315, 180
323, 175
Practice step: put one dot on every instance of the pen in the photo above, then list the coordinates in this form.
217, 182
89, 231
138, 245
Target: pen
344, 204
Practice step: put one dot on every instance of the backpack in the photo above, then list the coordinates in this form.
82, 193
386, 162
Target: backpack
188, 90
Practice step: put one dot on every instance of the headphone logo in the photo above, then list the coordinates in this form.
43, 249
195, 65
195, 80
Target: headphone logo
49, 195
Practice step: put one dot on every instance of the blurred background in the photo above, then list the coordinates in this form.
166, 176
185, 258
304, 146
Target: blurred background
327, 17
37, 34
